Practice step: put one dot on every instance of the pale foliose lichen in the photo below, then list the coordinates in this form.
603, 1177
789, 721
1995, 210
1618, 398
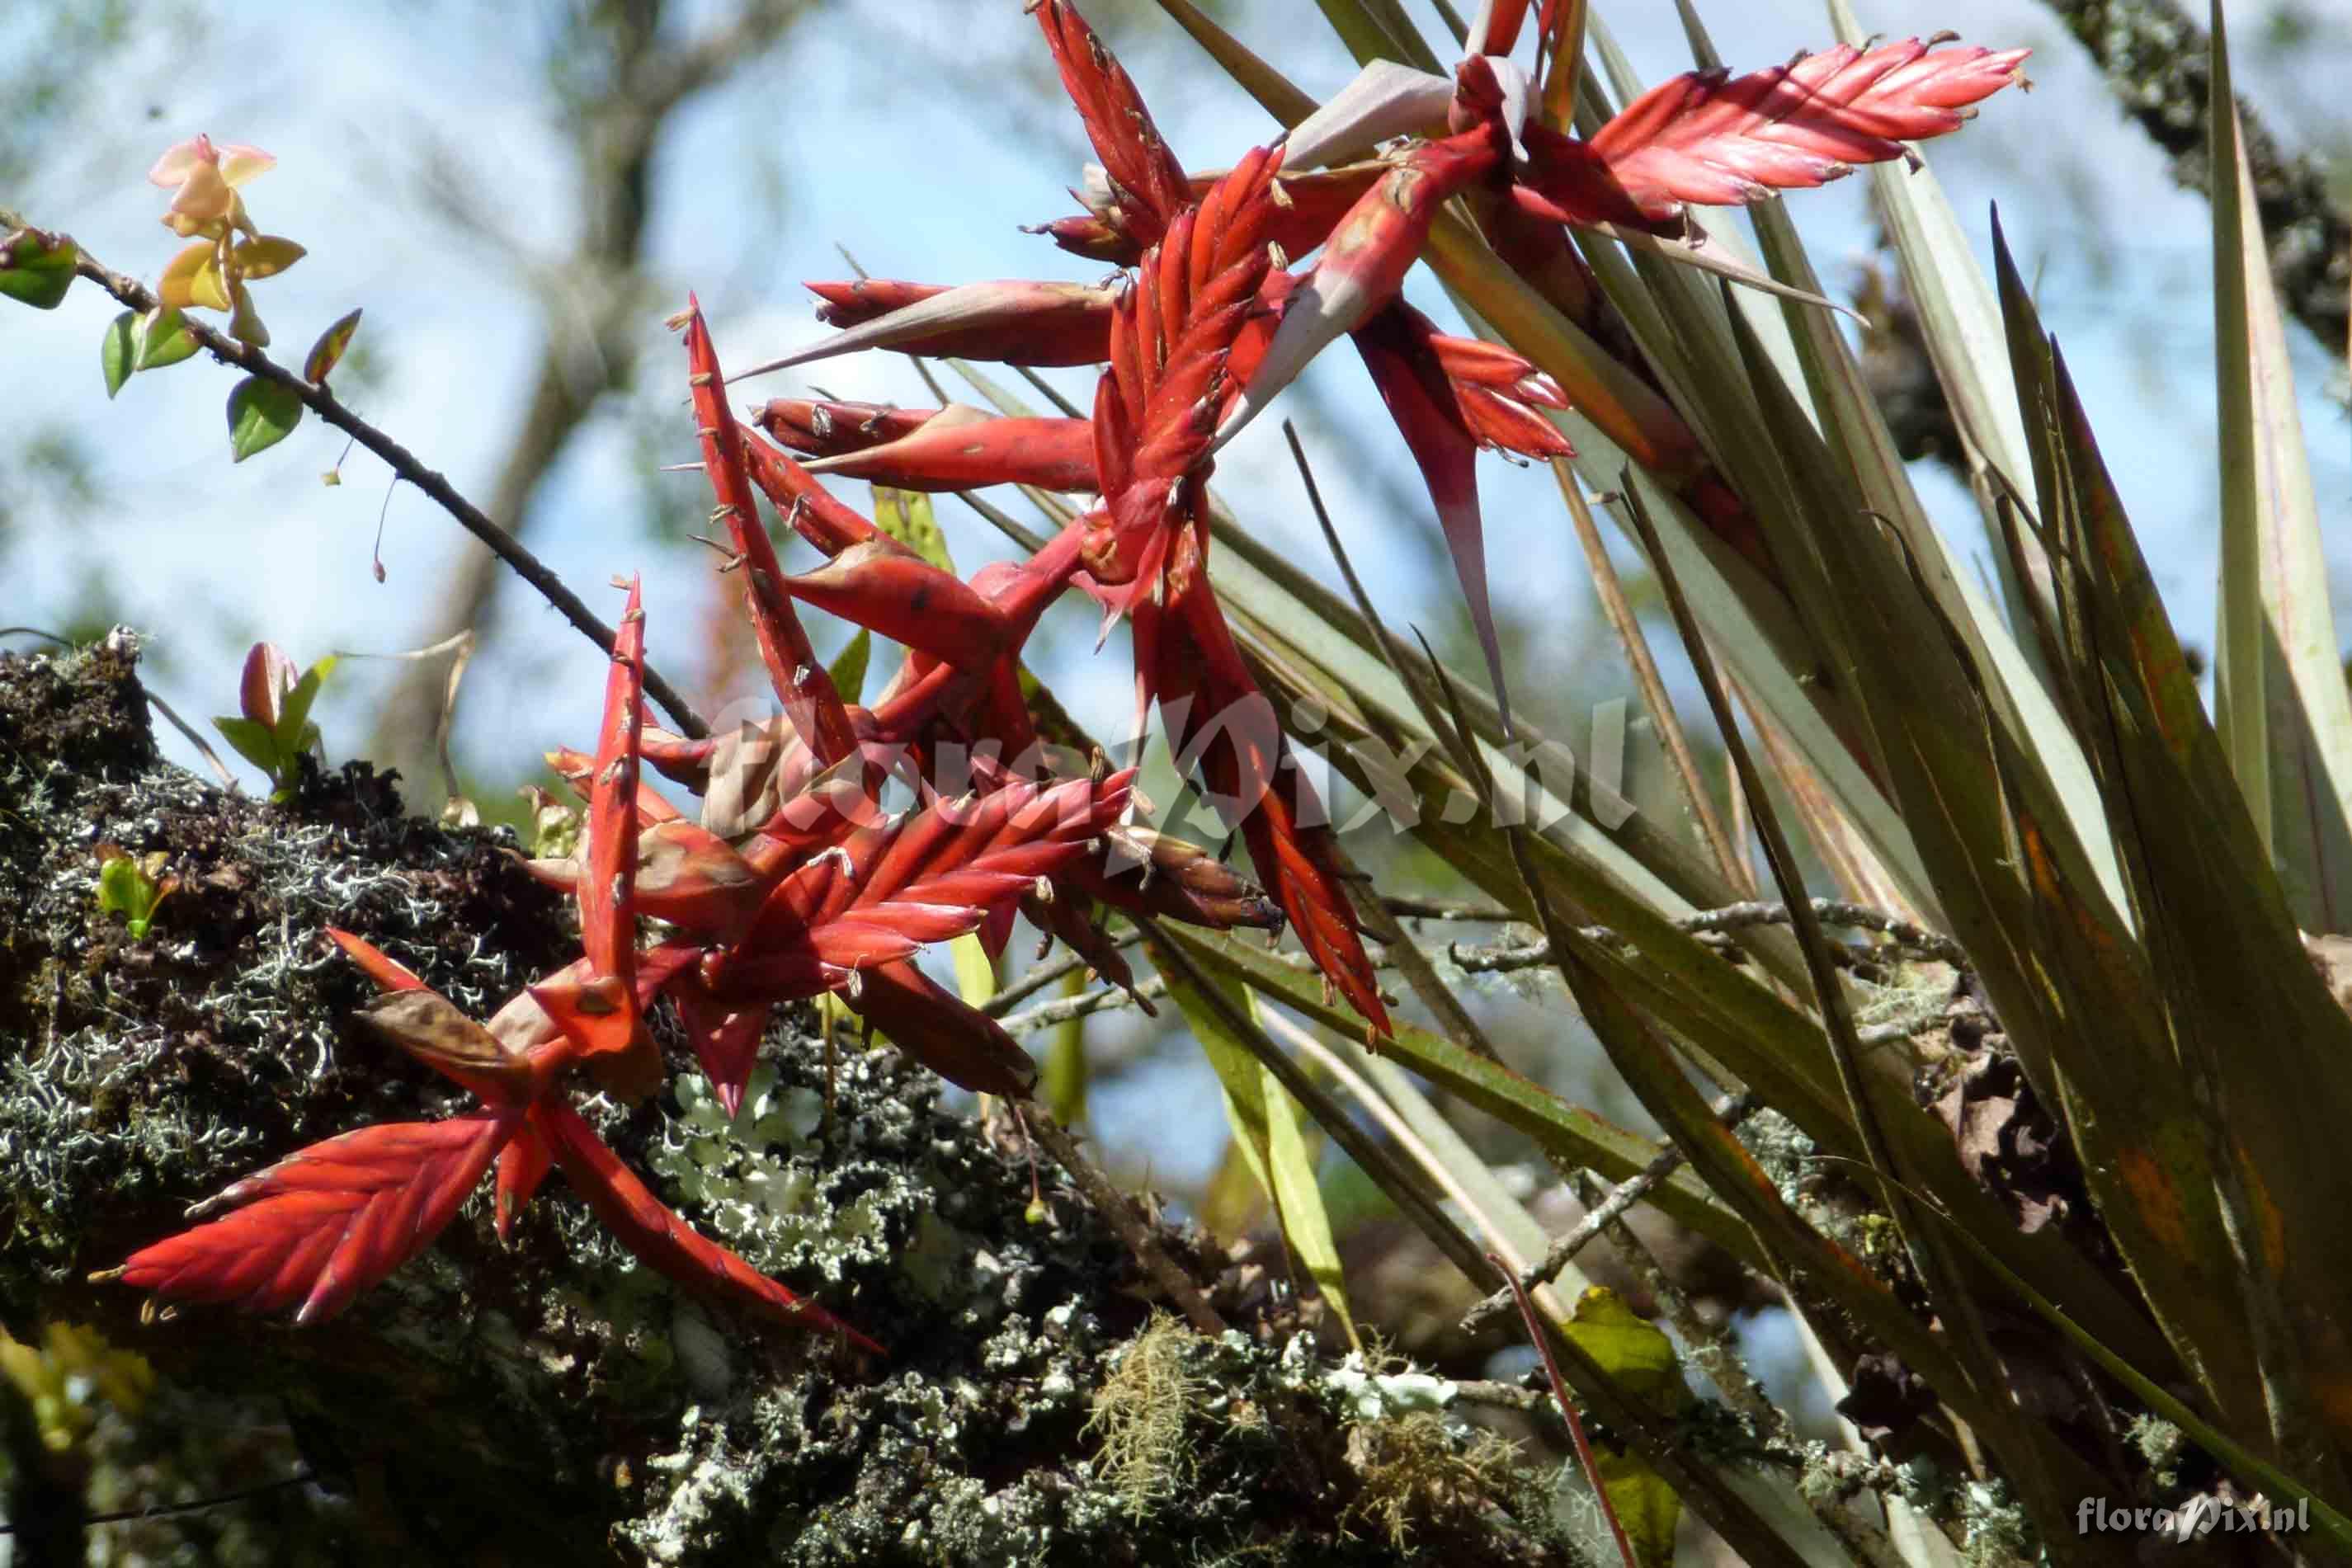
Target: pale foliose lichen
553, 1399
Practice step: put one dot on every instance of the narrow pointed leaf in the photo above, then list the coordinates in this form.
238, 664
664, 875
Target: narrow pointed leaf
116, 351
328, 351
1266, 1128
2280, 699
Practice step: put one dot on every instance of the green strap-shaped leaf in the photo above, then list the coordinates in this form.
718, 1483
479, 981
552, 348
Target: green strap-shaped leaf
2280, 701
1264, 1120
261, 413
848, 667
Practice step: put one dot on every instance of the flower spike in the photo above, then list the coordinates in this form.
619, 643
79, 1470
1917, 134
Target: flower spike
801, 682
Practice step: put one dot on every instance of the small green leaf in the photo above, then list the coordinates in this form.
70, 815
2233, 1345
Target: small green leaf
162, 339
848, 670
295, 733
906, 515
254, 741
132, 887
120, 888
261, 413
975, 971
37, 268
1633, 1350
115, 352
328, 351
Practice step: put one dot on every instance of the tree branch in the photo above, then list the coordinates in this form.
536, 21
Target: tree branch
323, 402
2158, 61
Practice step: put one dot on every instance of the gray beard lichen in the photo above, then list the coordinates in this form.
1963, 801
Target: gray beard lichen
554, 1401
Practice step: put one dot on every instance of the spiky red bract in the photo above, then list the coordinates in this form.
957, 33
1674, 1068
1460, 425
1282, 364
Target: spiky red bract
959, 1043
523, 1165
963, 448
605, 892
910, 600
327, 1222
1147, 182
386, 972
655, 1234
801, 682
1713, 138
1011, 320
829, 427
1279, 817
807, 507
892, 887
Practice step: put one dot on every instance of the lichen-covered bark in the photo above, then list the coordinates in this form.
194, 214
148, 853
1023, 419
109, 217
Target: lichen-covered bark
552, 1402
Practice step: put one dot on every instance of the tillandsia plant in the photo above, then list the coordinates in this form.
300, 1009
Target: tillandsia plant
2105, 1160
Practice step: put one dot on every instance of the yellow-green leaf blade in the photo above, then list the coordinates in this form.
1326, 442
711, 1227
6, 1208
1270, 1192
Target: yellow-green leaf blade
1264, 1120
2281, 703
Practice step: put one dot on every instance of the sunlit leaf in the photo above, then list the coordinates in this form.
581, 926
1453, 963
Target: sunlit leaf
848, 669
2279, 697
295, 730
328, 351
975, 971
1264, 1122
37, 268
254, 741
194, 277
906, 515
261, 413
265, 258
162, 339
115, 352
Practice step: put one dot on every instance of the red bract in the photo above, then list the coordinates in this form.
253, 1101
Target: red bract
322, 1225
1712, 138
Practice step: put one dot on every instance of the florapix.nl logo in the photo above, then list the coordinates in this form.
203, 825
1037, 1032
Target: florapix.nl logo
2198, 1517
755, 768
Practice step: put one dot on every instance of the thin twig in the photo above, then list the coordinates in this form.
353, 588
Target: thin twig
1062, 1010
1904, 937
1731, 1111
167, 1510
1833, 912
1473, 910
220, 768
1045, 975
1112, 1205
323, 402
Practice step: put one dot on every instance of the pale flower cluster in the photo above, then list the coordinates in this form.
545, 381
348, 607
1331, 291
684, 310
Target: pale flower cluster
228, 252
